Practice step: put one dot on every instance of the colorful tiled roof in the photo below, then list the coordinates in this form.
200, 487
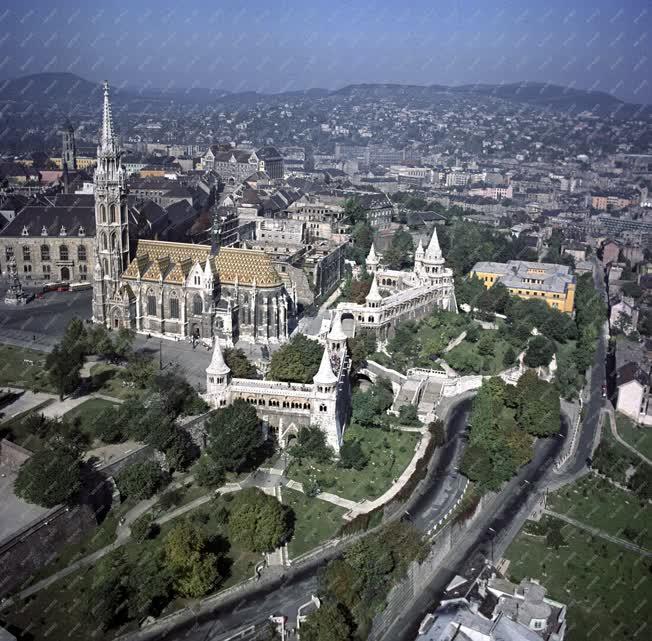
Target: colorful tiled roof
172, 263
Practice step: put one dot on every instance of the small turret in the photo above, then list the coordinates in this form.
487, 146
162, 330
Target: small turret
372, 261
374, 298
336, 337
325, 378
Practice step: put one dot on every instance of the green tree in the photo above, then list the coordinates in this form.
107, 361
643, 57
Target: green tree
234, 435
297, 361
62, 365
149, 586
192, 566
407, 415
328, 623
49, 477
107, 426
140, 480
438, 431
361, 346
538, 410
142, 528
369, 408
539, 352
400, 254
240, 365
509, 357
209, 472
259, 521
311, 443
352, 455
123, 343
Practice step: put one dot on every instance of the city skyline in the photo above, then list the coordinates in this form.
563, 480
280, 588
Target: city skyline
297, 47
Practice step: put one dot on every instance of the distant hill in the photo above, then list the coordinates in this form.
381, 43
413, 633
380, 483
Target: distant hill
42, 88
546, 95
63, 89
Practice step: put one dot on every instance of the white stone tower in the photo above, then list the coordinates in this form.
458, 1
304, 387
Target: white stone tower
323, 408
372, 261
111, 219
218, 378
336, 338
432, 263
374, 299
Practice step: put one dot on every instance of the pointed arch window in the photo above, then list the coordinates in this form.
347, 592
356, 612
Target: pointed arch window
112, 214
197, 304
103, 213
151, 304
174, 305
104, 242
113, 241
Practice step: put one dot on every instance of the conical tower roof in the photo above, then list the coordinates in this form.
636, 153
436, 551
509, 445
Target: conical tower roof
374, 293
325, 374
434, 250
419, 251
336, 332
107, 141
372, 257
218, 366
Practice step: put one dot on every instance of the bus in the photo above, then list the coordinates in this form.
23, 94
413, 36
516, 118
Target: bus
78, 287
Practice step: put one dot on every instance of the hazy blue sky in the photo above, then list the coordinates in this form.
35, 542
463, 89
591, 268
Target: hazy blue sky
290, 44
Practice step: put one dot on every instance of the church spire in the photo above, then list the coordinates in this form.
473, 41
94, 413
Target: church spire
434, 250
107, 140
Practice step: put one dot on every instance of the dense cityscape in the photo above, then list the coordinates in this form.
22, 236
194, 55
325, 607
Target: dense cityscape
366, 363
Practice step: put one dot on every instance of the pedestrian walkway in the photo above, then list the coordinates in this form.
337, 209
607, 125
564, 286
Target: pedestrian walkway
614, 431
600, 533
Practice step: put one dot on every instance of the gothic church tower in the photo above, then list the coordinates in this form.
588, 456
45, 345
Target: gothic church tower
111, 219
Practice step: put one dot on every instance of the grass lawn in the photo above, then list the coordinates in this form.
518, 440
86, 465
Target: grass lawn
607, 589
58, 611
316, 521
107, 379
14, 371
467, 359
389, 454
638, 437
86, 412
598, 503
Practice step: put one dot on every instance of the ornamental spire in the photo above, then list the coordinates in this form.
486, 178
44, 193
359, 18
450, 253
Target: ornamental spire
325, 374
434, 250
107, 141
218, 366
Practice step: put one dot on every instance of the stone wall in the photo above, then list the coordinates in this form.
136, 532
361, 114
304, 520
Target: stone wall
12, 455
37, 544
419, 576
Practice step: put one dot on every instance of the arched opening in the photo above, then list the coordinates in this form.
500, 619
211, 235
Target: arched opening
112, 241
112, 214
63, 252
174, 305
197, 304
151, 304
103, 213
65, 273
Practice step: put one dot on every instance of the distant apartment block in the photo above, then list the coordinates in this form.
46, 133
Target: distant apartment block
555, 284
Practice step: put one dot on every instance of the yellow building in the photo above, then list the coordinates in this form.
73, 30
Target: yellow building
83, 162
544, 281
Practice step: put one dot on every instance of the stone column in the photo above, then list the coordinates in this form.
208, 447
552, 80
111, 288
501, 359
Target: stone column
139, 320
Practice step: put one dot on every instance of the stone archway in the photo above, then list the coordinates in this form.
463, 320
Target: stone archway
65, 273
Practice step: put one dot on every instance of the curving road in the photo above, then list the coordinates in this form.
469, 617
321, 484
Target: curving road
285, 595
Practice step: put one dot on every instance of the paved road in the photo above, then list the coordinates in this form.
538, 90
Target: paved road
601, 534
593, 406
288, 593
